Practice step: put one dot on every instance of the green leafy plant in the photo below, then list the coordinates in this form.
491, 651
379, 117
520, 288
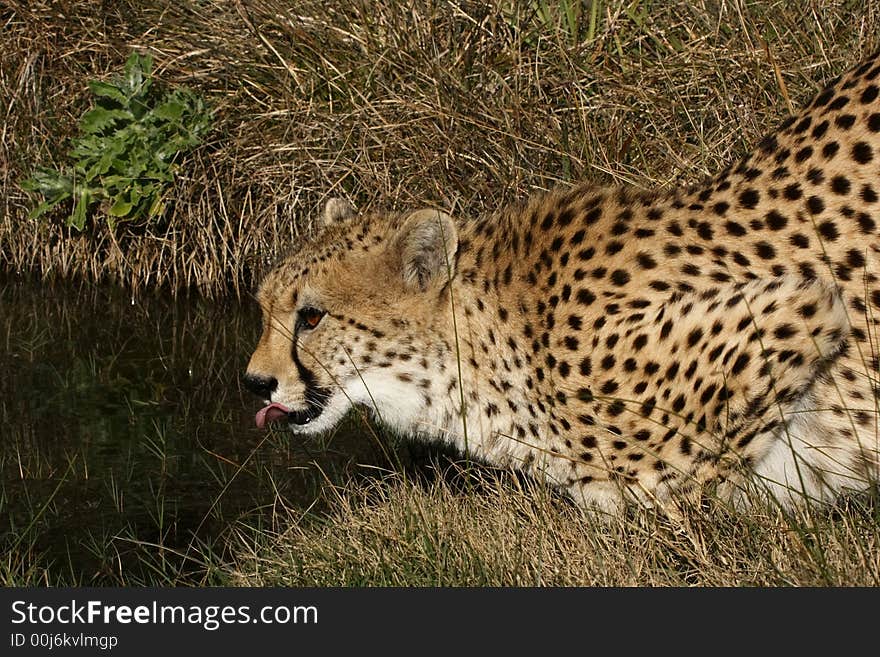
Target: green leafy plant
125, 156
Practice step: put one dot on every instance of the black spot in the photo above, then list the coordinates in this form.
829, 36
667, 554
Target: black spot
823, 98
768, 144
839, 103
620, 277
608, 362
868, 194
740, 363
807, 310
613, 247
845, 121
802, 125
735, 229
704, 230
806, 270
571, 343
784, 331
609, 387
828, 230
862, 153
804, 154
694, 337
855, 258
840, 185
585, 297
792, 192
586, 366
574, 321
765, 250
720, 208
645, 260
749, 198
869, 95
874, 122
775, 220
619, 228
615, 408
830, 149
800, 240
815, 205
866, 223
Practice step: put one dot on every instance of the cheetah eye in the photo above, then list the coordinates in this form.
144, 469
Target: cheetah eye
309, 318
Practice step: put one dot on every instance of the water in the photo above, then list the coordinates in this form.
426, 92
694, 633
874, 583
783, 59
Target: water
126, 438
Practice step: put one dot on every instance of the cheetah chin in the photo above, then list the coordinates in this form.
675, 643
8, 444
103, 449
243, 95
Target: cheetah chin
624, 345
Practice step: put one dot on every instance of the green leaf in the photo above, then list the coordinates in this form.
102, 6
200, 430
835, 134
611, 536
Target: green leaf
170, 110
121, 208
77, 218
99, 119
137, 68
106, 90
49, 183
157, 207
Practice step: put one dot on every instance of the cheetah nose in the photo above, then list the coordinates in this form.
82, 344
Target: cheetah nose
261, 386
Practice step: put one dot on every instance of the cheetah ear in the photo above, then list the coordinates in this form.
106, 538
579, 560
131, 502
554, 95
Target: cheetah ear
336, 210
427, 242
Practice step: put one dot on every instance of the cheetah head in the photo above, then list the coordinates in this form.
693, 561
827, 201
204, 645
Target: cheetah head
351, 316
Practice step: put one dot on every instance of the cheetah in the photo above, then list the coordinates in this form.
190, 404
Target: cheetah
624, 345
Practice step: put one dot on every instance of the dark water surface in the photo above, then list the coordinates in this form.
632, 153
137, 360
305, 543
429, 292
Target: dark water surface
123, 429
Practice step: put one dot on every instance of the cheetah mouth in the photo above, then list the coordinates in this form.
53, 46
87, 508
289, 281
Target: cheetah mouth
276, 412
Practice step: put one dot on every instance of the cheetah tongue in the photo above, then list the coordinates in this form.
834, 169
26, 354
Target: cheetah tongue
271, 413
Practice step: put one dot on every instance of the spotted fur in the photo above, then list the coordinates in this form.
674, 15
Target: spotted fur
623, 344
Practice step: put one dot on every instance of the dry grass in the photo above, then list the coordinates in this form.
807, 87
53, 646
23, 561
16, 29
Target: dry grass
500, 533
462, 104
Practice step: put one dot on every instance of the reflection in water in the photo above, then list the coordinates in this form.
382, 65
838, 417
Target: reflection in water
124, 431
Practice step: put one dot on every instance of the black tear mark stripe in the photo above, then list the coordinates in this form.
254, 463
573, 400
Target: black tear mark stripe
316, 396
